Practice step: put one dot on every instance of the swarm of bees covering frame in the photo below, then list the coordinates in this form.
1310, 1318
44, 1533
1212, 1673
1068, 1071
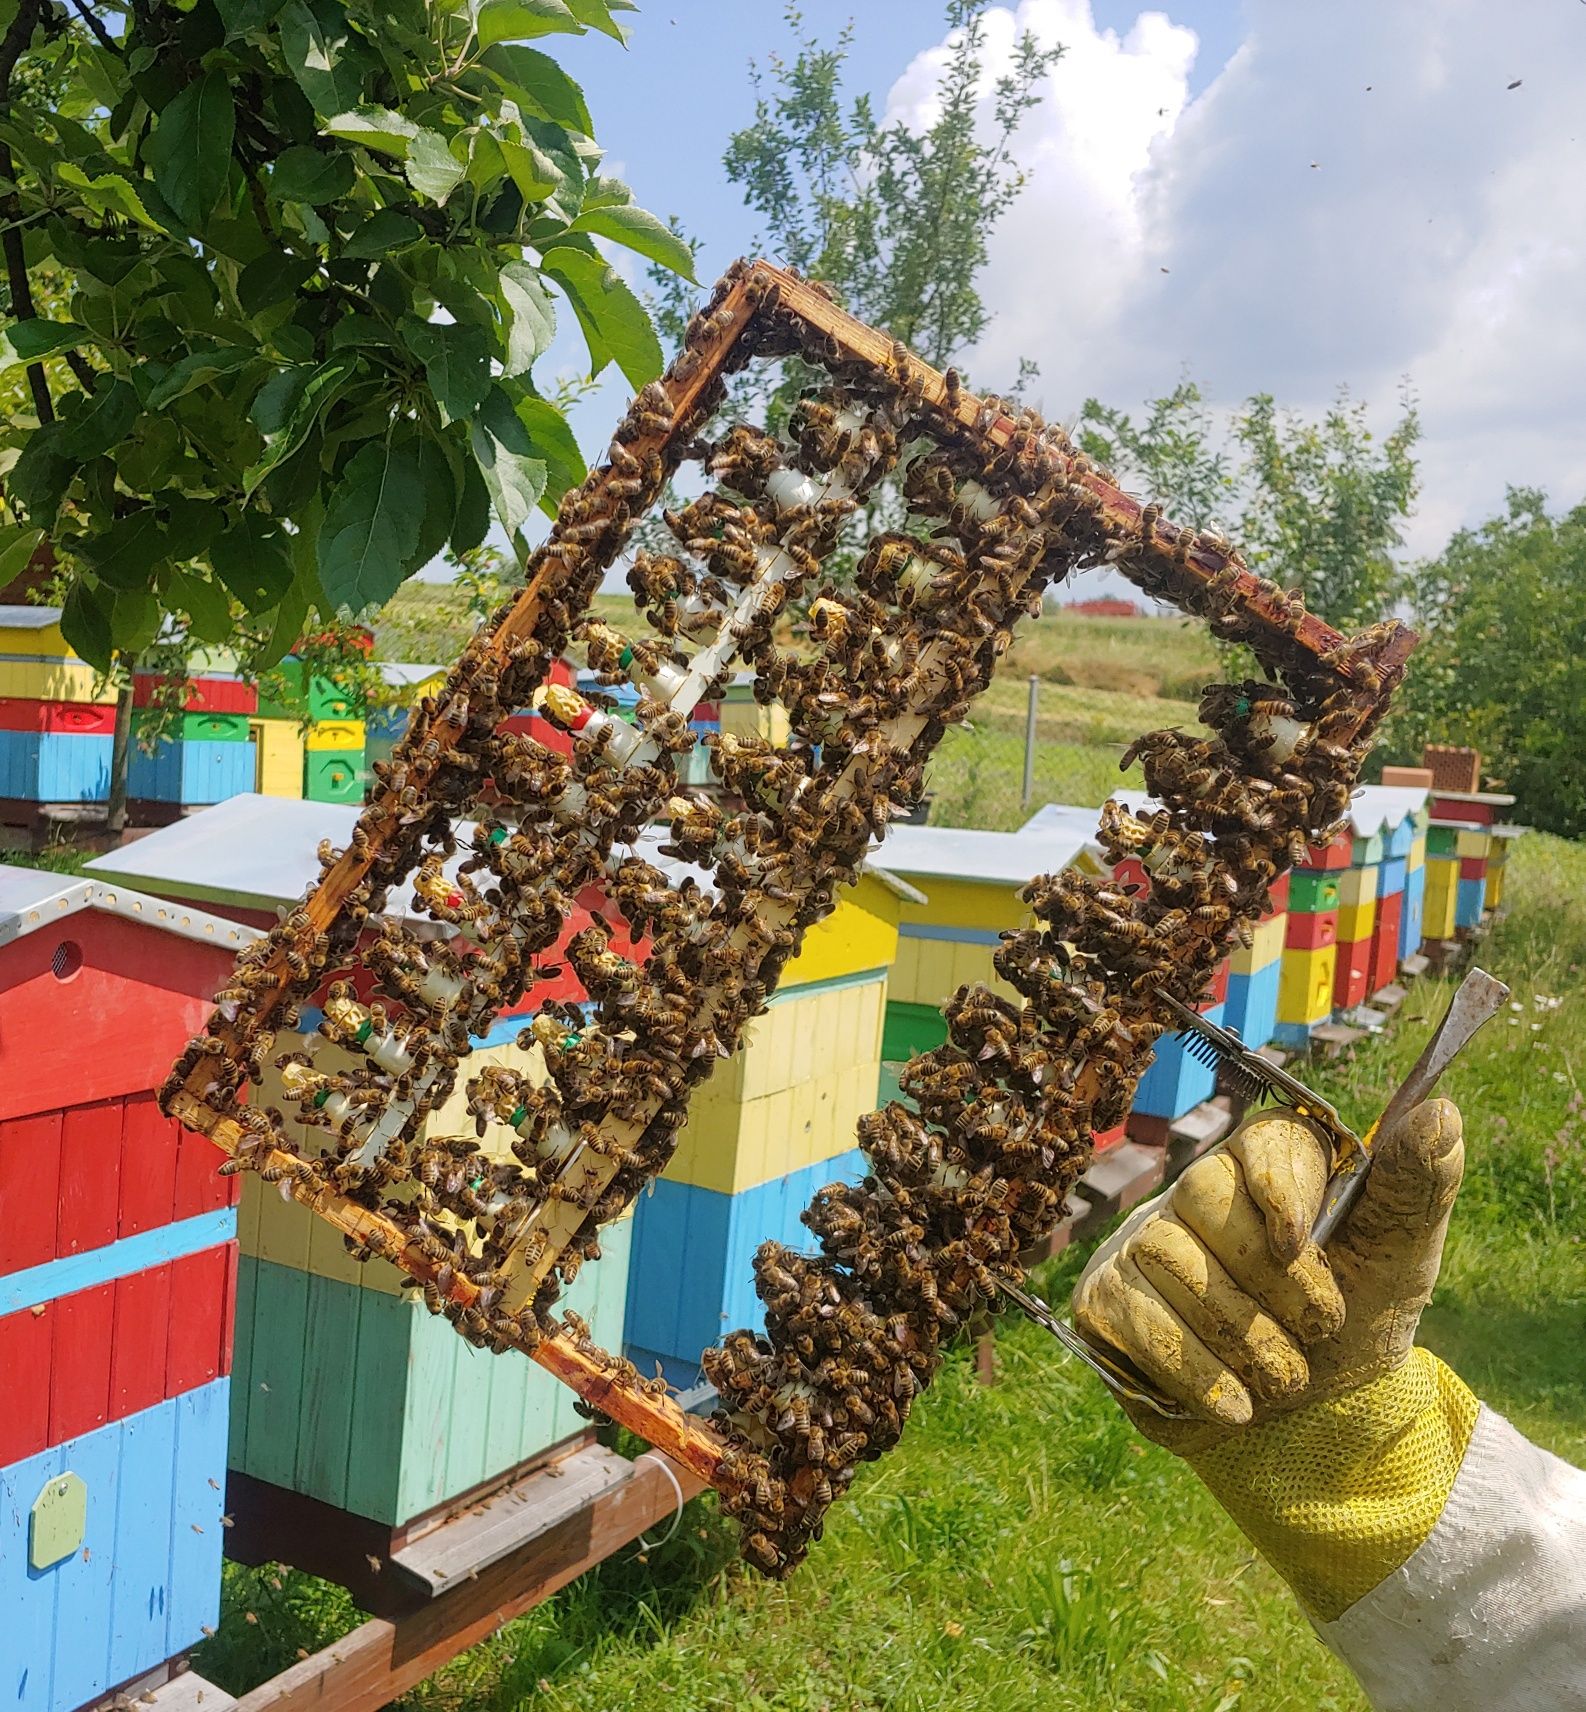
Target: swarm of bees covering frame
975, 1168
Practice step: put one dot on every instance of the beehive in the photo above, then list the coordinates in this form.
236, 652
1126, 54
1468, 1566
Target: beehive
347, 1390
1320, 892
970, 883
1471, 815
1396, 816
117, 1275
773, 1125
37, 663
1503, 838
1255, 972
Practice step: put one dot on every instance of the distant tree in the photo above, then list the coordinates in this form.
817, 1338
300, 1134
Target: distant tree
1502, 659
896, 221
1170, 456
1316, 505
1324, 504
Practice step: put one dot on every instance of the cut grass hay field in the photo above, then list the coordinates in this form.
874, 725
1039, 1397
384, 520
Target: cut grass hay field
1024, 1550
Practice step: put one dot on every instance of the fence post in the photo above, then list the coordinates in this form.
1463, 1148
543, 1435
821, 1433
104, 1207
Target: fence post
1029, 739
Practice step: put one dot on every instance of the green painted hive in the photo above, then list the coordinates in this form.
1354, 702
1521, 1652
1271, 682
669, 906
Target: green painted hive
348, 1391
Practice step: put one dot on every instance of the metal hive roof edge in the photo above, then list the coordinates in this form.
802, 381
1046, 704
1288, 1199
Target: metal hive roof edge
32, 899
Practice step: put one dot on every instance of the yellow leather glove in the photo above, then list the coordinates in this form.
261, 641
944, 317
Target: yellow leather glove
1331, 1440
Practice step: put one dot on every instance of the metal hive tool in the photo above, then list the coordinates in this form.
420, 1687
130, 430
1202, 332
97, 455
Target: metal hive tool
977, 1168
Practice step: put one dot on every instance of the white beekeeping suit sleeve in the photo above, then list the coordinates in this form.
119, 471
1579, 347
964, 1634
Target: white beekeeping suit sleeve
1489, 1613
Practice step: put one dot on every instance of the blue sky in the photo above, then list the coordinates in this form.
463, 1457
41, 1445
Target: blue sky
1266, 195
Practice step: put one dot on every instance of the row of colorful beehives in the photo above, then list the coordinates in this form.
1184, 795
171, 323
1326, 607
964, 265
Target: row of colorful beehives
57, 729
1338, 929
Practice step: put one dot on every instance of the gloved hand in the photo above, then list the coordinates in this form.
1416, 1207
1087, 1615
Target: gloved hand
1331, 1440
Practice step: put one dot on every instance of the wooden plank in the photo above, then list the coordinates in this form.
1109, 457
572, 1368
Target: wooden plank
488, 1532
141, 1338
142, 1546
381, 1660
198, 1483
330, 1378
80, 1368
27, 1658
275, 1379
25, 1344
30, 1175
85, 1580
188, 1692
90, 1188
242, 1364
375, 1455
434, 1353
198, 1301
149, 1147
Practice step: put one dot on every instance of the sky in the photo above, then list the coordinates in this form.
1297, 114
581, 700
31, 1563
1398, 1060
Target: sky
1280, 195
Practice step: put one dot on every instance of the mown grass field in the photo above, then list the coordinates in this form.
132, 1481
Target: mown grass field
1023, 1549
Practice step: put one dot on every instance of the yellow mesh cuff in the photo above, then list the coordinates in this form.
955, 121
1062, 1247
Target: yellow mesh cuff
1337, 1495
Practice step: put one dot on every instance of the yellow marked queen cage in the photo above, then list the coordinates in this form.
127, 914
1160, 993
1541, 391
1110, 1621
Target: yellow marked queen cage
975, 1166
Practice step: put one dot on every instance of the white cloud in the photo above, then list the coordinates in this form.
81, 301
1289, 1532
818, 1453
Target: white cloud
1440, 234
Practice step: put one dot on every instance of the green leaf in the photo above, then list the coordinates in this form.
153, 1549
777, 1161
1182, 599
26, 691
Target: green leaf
531, 316
273, 278
109, 193
18, 544
85, 623
194, 370
472, 522
275, 401
535, 80
605, 192
597, 15
135, 620
615, 324
326, 382
289, 616
32, 341
432, 169
251, 560
242, 16
440, 474
377, 128
190, 524
554, 440
502, 449
124, 554
522, 20
306, 175
371, 528
456, 363
636, 229
330, 62
381, 234
38, 480
208, 611
189, 152
531, 170
103, 421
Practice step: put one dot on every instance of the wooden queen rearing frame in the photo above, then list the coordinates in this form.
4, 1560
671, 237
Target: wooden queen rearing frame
977, 1166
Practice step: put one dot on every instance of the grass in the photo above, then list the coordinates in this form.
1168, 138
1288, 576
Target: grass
1023, 1548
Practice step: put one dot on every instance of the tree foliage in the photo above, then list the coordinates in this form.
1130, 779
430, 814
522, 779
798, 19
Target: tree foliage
1502, 661
314, 250
1318, 505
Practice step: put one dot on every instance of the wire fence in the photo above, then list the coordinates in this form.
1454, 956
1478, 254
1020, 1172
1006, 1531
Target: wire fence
1037, 743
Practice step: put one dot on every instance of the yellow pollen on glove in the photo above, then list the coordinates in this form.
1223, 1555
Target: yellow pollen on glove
1338, 1494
